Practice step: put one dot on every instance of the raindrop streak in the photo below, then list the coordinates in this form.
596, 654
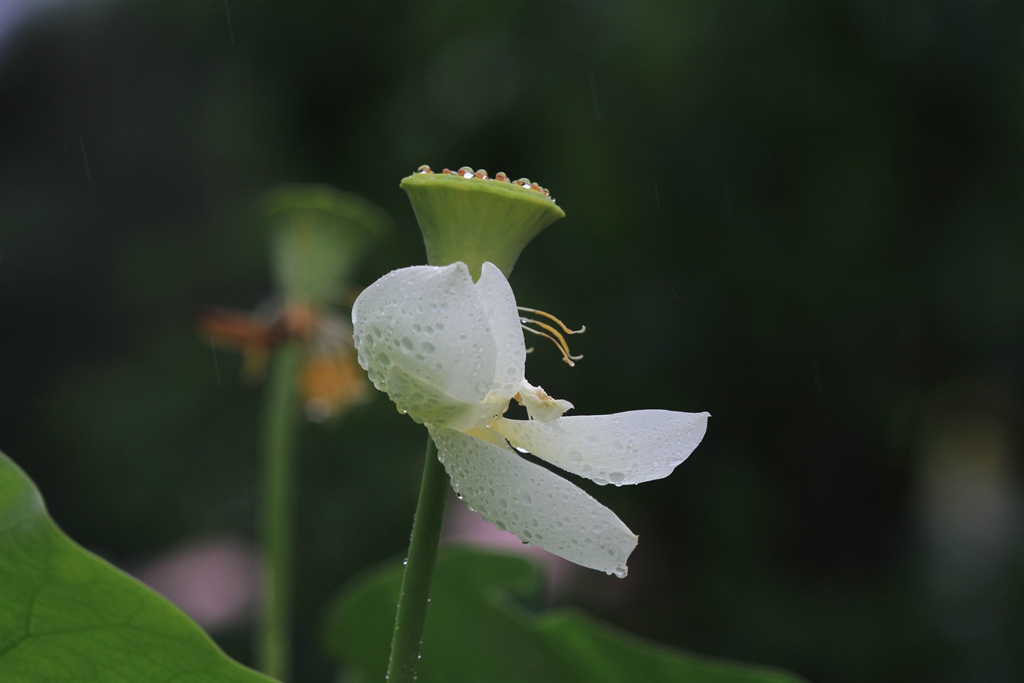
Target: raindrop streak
231, 31
216, 364
657, 199
593, 97
85, 158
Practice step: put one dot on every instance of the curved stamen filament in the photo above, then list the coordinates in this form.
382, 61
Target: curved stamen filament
549, 332
565, 351
556, 336
551, 317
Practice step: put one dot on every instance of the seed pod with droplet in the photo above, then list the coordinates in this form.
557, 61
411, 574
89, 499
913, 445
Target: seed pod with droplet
474, 222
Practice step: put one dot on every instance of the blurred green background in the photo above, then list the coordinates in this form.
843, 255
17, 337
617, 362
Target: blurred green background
805, 218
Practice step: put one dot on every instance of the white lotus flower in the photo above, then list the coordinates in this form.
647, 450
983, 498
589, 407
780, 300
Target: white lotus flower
451, 354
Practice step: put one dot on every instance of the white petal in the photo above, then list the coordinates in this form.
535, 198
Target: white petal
540, 406
624, 448
423, 337
503, 317
537, 505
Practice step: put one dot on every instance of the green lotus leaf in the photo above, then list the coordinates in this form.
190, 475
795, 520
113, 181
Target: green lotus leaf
68, 616
479, 629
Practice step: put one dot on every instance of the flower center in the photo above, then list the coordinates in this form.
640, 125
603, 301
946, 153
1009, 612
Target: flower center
551, 332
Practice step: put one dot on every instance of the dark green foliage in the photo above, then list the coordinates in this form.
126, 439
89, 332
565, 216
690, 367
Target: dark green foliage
66, 615
478, 630
805, 218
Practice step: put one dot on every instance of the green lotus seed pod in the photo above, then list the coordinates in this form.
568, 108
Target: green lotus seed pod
467, 216
319, 234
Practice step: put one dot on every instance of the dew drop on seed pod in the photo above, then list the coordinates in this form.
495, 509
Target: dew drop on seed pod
466, 172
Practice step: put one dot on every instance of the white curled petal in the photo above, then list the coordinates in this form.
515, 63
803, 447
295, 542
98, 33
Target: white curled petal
537, 505
624, 448
503, 317
423, 337
540, 406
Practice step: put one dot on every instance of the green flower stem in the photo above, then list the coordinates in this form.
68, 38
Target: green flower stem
419, 570
281, 421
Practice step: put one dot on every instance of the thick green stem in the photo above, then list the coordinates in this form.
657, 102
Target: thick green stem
280, 426
419, 570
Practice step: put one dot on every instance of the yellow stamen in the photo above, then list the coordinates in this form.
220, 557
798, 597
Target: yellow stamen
551, 317
549, 332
